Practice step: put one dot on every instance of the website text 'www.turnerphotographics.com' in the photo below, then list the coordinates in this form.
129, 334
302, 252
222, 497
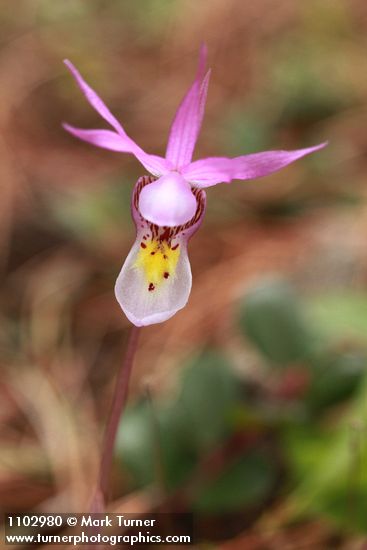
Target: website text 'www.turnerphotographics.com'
97, 529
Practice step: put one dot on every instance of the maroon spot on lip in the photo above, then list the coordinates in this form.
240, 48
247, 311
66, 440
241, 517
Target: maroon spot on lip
143, 245
152, 253
176, 246
166, 274
165, 256
151, 287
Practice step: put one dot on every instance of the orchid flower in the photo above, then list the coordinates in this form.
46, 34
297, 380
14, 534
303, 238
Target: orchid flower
168, 206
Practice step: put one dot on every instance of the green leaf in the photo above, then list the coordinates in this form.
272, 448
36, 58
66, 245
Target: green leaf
329, 467
335, 379
178, 455
152, 446
134, 444
204, 413
246, 482
271, 318
208, 398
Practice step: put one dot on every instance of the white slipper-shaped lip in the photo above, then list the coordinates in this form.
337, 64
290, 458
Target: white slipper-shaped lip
155, 280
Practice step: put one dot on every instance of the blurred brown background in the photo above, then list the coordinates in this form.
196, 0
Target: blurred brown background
285, 75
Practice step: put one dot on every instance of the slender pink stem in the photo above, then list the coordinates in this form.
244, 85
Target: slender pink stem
118, 406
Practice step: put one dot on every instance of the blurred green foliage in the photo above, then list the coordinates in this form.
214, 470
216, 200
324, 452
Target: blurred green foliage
244, 483
187, 430
91, 216
271, 317
216, 410
340, 315
327, 463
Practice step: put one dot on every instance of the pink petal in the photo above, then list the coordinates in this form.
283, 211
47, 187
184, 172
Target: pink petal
210, 171
115, 142
168, 201
104, 138
187, 122
94, 100
101, 138
153, 294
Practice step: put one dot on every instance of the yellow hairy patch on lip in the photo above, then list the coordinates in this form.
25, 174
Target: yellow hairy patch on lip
158, 261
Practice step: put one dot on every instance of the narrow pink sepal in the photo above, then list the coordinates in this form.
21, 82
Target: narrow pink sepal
107, 139
94, 100
101, 138
187, 121
120, 141
214, 170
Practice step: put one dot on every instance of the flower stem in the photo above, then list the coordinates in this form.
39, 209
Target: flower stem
117, 408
